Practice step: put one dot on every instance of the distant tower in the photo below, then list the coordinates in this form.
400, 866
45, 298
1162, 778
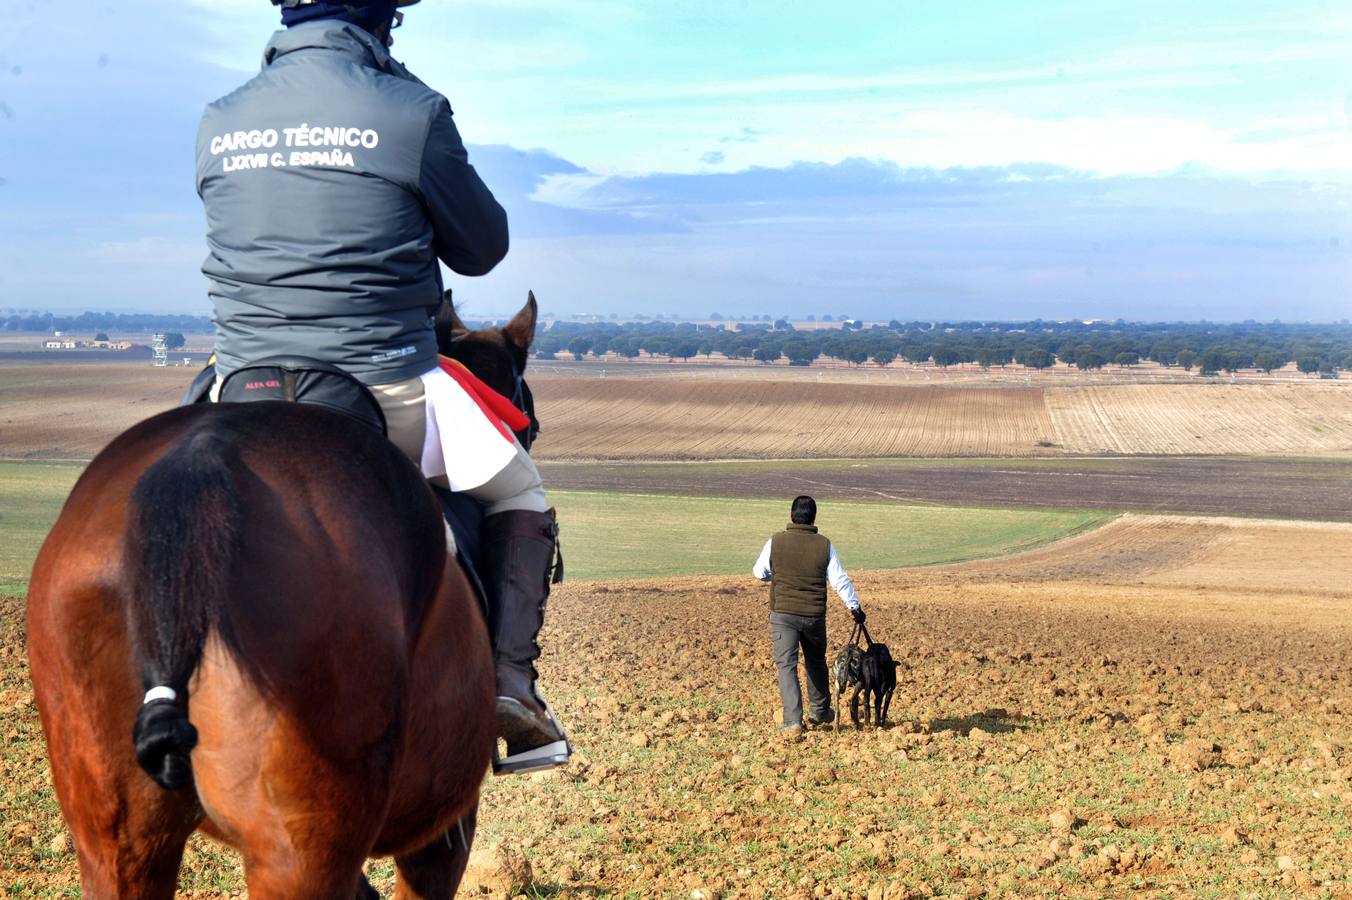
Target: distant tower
160, 350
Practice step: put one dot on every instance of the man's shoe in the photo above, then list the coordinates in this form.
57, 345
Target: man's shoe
519, 549
790, 734
822, 722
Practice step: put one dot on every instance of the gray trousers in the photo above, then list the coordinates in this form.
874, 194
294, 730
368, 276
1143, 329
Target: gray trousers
789, 632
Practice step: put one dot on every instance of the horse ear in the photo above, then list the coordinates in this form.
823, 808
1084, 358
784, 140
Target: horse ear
447, 323
521, 330
449, 316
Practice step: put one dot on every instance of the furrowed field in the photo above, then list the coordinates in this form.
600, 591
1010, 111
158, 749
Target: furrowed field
1116, 679
773, 413
615, 418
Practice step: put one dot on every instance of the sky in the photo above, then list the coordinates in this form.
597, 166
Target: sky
909, 160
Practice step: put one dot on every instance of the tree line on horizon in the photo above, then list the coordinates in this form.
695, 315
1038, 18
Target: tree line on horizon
1035, 344
1208, 347
96, 322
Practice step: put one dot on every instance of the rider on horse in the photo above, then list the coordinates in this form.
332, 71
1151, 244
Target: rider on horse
334, 183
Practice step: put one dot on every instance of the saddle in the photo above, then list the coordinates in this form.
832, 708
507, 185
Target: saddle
301, 380
294, 378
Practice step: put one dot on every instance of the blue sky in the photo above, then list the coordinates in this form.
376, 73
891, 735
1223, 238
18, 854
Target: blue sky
903, 159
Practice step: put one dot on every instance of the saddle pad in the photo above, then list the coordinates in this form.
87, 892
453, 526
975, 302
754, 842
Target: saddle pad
461, 442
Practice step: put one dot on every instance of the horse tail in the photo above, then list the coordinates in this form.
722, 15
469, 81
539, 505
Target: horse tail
184, 527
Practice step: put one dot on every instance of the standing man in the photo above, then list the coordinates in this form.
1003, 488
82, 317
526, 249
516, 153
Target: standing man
335, 185
799, 563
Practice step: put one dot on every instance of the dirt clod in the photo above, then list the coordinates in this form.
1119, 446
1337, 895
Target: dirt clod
497, 871
1063, 819
1196, 755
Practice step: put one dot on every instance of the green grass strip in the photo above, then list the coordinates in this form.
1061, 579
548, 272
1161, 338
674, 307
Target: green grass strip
620, 535
31, 495
613, 535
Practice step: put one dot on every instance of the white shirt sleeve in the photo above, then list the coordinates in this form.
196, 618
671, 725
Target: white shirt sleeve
762, 567
840, 582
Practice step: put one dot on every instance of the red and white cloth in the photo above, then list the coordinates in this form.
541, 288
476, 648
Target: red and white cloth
469, 427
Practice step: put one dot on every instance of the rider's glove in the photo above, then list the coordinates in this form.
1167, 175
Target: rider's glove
858, 614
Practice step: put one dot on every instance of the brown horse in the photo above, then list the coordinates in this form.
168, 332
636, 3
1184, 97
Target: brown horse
496, 355
285, 574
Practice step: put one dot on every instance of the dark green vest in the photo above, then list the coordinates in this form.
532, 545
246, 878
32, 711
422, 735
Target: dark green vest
798, 560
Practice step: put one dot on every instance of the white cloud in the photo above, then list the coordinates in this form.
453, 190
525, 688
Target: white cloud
959, 135
538, 73
567, 190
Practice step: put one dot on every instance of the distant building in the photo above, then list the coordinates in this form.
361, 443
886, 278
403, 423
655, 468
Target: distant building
58, 344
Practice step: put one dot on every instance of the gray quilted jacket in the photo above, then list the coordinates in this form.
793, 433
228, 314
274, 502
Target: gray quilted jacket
333, 181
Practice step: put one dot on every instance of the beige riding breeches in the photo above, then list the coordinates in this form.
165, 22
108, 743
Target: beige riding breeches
517, 486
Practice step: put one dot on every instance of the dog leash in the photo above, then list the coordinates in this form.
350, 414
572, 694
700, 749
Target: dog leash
859, 629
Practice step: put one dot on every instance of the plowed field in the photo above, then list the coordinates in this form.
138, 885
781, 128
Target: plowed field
1249, 419
55, 411
1173, 719
614, 418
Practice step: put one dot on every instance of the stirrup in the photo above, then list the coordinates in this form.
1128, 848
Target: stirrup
549, 756
536, 759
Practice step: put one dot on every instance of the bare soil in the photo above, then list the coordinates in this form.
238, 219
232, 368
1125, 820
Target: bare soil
68, 407
1172, 718
614, 418
759, 418
1298, 419
53, 410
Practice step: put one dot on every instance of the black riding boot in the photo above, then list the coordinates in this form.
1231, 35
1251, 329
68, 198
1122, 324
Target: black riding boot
519, 548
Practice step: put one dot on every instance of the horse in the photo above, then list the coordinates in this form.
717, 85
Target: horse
496, 355
246, 622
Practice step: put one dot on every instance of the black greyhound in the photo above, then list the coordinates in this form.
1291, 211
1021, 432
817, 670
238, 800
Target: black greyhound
872, 672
